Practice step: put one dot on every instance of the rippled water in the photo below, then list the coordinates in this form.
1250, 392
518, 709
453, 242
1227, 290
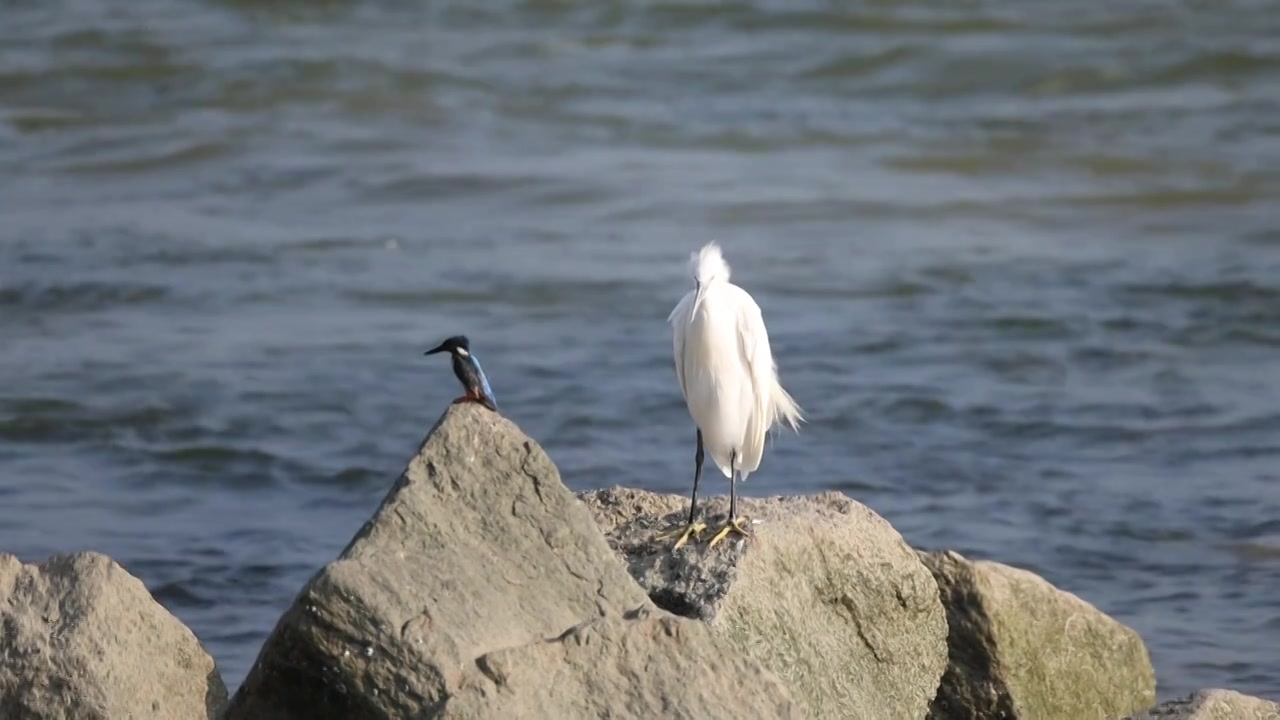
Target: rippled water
1021, 265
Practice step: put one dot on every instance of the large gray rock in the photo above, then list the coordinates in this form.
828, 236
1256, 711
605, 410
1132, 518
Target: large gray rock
651, 665
1021, 648
82, 639
1212, 705
826, 594
478, 557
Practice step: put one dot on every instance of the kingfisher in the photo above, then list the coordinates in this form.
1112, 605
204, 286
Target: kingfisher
467, 368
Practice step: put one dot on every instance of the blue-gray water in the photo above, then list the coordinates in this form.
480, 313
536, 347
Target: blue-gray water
1020, 261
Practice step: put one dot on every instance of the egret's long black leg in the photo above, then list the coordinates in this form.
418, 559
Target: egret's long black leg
734, 523
697, 475
733, 485
694, 528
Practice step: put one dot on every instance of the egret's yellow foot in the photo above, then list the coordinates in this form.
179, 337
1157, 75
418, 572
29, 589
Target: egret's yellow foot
734, 525
692, 531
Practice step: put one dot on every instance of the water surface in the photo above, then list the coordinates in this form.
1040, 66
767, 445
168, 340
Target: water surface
1020, 265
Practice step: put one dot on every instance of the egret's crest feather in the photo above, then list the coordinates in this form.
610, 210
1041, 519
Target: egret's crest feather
708, 264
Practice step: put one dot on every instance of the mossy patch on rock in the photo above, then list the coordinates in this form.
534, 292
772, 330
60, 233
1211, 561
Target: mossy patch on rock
1021, 648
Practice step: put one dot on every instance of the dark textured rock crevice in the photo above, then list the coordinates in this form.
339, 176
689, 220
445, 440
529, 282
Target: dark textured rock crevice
971, 687
676, 603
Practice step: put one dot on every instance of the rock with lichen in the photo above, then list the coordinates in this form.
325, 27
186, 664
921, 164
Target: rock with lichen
482, 588
647, 665
1213, 704
1021, 648
826, 594
82, 638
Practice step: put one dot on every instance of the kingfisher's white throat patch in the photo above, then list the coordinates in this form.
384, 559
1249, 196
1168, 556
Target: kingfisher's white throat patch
463, 352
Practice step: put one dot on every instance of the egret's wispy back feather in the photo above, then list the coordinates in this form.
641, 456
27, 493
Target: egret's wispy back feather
680, 318
785, 408
770, 403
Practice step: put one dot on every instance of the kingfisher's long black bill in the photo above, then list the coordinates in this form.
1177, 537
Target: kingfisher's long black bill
437, 349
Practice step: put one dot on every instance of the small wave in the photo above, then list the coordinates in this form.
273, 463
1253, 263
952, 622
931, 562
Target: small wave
189, 255
352, 478
1037, 327
238, 638
918, 410
1257, 550
1233, 452
532, 296
1026, 367
215, 457
282, 80
927, 23
421, 298
1129, 324
1114, 165
1224, 66
782, 212
1230, 291
1242, 193
226, 466
1252, 336
1266, 237
324, 244
880, 346
419, 186
891, 289
1221, 335
39, 406
1072, 81
73, 76
41, 119
150, 156
954, 163
854, 66
80, 296
175, 594
42, 422
857, 486
1099, 358
259, 572
292, 10
1102, 435
1137, 423
1130, 531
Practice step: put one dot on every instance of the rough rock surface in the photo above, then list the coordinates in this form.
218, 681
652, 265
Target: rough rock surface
479, 551
82, 638
651, 665
826, 594
1021, 648
1212, 705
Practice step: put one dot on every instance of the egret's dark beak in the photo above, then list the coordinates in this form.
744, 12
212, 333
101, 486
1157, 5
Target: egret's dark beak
437, 349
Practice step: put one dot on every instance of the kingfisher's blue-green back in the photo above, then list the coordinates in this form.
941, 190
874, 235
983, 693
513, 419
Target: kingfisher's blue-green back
467, 368
484, 379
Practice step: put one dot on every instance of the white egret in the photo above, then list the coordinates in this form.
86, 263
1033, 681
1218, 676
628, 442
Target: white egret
728, 378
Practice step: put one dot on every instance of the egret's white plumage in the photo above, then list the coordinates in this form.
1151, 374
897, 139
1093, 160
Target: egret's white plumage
726, 368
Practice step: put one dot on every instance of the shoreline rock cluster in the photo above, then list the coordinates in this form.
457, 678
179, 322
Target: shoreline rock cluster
482, 587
